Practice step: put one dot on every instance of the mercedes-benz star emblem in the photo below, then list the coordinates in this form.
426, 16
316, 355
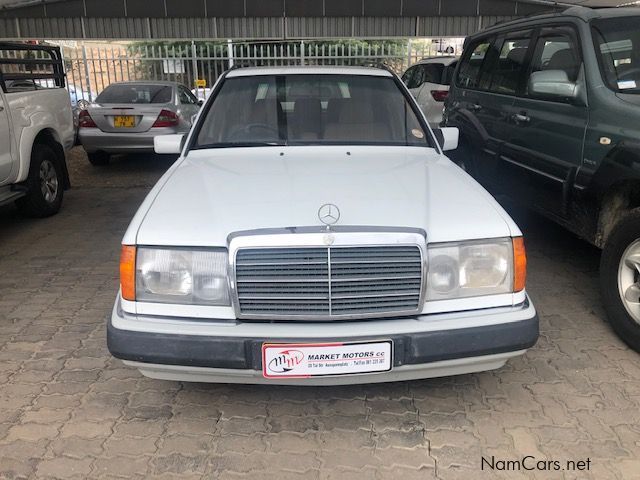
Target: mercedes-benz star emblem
329, 214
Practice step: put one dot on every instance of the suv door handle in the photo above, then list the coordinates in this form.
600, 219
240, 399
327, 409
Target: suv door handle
476, 107
1, 109
520, 118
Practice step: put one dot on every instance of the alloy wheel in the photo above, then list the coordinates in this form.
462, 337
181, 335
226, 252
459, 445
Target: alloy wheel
48, 181
629, 280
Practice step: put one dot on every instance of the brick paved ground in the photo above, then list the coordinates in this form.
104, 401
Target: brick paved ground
67, 409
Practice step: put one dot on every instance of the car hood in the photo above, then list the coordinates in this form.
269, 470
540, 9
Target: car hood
212, 193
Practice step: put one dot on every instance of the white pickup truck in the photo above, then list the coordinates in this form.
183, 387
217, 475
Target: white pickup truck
36, 127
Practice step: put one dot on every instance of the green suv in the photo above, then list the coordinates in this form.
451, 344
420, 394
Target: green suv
548, 109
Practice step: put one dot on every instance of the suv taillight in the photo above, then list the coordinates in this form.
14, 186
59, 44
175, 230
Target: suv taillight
166, 118
439, 95
85, 120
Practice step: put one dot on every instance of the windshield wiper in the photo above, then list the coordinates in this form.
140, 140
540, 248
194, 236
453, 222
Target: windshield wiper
239, 144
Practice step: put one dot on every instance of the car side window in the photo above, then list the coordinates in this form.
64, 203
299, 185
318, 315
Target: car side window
510, 66
186, 98
472, 66
556, 51
433, 73
417, 77
448, 73
408, 76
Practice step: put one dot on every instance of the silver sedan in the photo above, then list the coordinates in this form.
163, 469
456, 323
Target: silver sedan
126, 117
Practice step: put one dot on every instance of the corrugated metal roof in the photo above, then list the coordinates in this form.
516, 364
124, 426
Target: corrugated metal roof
586, 3
63, 22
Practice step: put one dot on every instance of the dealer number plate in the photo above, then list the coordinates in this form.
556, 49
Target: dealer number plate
124, 121
303, 360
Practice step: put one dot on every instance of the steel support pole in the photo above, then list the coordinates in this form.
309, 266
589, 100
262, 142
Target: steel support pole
194, 63
86, 70
230, 52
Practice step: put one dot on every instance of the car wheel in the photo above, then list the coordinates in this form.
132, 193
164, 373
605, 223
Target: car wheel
45, 183
620, 279
98, 158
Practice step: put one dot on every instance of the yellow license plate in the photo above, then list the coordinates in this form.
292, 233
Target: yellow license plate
124, 121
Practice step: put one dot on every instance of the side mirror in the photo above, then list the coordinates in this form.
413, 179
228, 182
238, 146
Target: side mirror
168, 143
200, 102
553, 83
447, 137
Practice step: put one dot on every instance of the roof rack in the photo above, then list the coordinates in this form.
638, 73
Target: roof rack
433, 57
31, 67
554, 8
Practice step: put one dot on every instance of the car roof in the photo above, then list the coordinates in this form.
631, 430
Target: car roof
317, 70
445, 59
147, 82
582, 13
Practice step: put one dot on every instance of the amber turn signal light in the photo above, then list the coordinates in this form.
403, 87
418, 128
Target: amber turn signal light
519, 264
128, 272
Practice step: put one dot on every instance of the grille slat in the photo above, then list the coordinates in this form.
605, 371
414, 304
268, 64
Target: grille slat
299, 282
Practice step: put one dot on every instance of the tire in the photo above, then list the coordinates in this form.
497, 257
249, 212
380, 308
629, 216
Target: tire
619, 274
45, 183
98, 159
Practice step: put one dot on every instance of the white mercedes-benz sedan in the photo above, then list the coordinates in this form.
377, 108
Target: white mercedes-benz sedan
313, 232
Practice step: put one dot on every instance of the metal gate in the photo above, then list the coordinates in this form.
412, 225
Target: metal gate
92, 66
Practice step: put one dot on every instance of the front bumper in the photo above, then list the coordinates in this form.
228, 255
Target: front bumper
230, 352
94, 140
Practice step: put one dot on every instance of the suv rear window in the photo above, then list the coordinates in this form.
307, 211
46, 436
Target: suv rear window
135, 93
617, 44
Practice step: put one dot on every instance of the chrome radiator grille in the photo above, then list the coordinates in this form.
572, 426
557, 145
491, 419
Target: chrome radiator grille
328, 282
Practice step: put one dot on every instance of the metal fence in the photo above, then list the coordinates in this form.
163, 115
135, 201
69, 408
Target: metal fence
91, 67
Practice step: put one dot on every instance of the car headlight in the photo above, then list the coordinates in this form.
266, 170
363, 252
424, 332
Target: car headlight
474, 268
180, 275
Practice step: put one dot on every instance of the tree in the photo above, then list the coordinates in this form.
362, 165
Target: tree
175, 60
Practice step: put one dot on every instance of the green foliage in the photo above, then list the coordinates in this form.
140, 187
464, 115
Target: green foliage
212, 56
183, 48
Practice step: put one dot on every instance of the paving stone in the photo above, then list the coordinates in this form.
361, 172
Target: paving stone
137, 428
125, 467
130, 446
17, 469
77, 447
85, 429
45, 415
65, 467
22, 449
32, 431
197, 444
180, 464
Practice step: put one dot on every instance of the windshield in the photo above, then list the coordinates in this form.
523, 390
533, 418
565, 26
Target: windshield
617, 42
310, 109
135, 93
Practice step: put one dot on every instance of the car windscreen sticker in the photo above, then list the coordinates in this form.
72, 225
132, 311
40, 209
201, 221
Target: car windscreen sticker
626, 84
